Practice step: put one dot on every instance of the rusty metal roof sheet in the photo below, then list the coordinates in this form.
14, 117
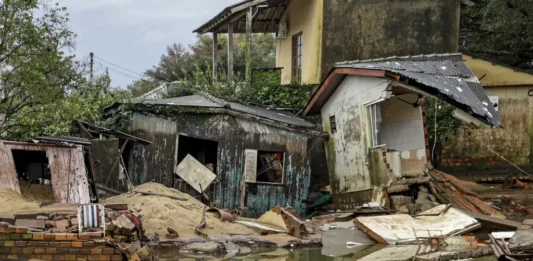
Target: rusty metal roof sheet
205, 100
265, 20
445, 74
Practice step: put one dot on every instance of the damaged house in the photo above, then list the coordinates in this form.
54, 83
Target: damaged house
260, 156
374, 113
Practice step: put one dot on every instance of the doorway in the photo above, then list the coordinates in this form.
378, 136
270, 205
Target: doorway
205, 152
33, 173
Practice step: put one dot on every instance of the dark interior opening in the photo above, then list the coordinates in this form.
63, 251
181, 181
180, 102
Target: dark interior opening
204, 151
33, 172
270, 166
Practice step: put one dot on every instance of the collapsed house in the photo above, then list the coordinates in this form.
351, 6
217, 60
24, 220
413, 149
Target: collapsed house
374, 112
53, 169
261, 157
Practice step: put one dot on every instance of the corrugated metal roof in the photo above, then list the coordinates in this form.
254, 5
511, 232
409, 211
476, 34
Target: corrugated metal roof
205, 100
445, 73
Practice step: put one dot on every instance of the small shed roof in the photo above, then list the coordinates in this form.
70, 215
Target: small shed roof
205, 100
265, 20
442, 75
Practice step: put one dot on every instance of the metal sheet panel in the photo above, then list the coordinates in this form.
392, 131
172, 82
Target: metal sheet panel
194, 173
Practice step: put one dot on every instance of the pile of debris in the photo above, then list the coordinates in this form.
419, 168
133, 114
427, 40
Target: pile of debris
126, 234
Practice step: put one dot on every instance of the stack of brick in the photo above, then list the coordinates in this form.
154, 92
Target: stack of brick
125, 233
17, 243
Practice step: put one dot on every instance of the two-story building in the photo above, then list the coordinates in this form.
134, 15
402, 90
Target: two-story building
312, 35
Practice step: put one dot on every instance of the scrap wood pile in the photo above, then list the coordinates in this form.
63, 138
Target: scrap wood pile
515, 246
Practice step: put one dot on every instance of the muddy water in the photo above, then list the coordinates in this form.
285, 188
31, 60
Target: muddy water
307, 254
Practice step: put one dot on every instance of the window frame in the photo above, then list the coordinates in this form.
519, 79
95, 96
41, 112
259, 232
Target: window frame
256, 160
374, 122
297, 57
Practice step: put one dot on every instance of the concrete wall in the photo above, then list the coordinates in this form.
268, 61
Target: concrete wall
363, 29
348, 148
302, 16
402, 124
513, 141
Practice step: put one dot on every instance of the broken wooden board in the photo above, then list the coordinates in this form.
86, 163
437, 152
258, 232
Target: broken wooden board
400, 228
195, 174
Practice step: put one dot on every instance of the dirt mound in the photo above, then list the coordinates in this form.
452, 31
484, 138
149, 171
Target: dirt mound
13, 202
158, 213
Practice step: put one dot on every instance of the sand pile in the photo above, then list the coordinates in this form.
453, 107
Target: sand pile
158, 213
13, 202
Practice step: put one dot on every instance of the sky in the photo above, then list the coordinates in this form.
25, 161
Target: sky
133, 34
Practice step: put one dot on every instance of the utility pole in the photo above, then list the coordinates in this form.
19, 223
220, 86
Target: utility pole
91, 55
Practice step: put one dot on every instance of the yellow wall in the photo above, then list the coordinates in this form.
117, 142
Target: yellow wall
302, 16
496, 75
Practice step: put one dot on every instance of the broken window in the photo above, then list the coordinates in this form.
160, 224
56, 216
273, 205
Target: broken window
333, 124
264, 166
374, 119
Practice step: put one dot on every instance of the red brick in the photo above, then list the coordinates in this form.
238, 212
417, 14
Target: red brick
59, 257
20, 243
38, 236
65, 244
95, 234
61, 236
73, 250
47, 257
51, 250
27, 250
116, 258
9, 243
85, 251
72, 236
84, 236
96, 251
50, 236
70, 257
10, 230
16, 250
21, 230
54, 244
108, 251
39, 250
35, 256
77, 244
81, 257
93, 257
62, 250
104, 257
88, 244
33, 223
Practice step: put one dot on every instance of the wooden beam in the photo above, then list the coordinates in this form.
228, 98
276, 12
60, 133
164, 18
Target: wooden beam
248, 75
215, 50
230, 53
115, 164
248, 5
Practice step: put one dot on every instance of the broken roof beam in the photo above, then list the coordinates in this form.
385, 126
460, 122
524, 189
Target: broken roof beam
110, 132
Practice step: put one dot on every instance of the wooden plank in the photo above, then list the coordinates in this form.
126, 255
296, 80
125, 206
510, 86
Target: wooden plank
215, 51
115, 164
8, 173
248, 64
230, 52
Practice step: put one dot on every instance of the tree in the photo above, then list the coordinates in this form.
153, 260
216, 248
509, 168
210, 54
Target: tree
499, 29
35, 70
179, 62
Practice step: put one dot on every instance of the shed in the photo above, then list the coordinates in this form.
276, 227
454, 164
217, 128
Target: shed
269, 149
374, 113
60, 162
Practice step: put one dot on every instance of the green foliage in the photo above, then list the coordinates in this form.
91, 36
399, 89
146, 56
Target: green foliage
265, 89
447, 125
140, 87
499, 29
43, 88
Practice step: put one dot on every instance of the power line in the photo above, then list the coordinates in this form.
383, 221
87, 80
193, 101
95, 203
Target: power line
117, 71
118, 66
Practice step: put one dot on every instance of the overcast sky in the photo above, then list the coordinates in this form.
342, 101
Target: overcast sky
134, 33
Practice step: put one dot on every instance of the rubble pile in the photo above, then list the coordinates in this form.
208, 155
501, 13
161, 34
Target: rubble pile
411, 195
126, 234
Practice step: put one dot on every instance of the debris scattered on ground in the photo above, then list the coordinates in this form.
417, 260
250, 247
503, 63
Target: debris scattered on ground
13, 202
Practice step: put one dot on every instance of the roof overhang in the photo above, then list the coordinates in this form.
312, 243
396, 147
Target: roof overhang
328, 87
267, 14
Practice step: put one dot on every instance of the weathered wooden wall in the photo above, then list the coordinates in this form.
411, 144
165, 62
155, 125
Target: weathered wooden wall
8, 173
234, 135
67, 167
106, 155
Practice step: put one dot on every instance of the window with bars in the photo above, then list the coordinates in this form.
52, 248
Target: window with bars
297, 57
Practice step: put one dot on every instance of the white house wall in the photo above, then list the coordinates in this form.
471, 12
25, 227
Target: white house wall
402, 126
347, 147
